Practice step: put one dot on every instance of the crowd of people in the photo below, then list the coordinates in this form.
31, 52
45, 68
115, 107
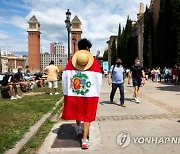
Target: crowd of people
166, 74
13, 84
157, 74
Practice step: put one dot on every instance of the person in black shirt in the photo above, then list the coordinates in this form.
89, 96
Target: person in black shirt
137, 74
18, 78
39, 79
13, 90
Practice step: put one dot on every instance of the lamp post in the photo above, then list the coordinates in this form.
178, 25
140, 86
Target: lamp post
68, 26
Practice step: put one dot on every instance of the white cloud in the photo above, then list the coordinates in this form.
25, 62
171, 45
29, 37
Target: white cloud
100, 19
3, 36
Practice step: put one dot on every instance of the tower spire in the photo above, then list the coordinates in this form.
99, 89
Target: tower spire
34, 44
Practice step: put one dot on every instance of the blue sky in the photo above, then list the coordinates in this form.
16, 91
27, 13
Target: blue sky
100, 19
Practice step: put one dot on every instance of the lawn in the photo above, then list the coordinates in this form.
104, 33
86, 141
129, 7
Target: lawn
33, 145
16, 116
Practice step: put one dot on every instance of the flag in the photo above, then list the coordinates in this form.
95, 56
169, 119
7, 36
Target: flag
81, 92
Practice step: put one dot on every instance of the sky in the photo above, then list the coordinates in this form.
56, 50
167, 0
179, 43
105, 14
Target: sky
100, 19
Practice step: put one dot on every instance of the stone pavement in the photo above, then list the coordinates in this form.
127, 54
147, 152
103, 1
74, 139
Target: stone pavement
156, 116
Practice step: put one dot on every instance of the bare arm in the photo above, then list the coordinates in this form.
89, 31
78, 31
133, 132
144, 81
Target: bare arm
129, 77
143, 74
110, 78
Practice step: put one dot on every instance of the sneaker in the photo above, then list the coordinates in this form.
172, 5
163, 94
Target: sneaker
79, 131
56, 93
85, 144
13, 98
137, 100
18, 97
50, 93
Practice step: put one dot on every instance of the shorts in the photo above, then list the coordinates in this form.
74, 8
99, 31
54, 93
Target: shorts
136, 83
52, 84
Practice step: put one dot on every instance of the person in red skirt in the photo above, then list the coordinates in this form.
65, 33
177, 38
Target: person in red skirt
81, 82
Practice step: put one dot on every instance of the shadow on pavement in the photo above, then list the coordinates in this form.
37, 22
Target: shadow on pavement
66, 136
169, 88
108, 103
129, 99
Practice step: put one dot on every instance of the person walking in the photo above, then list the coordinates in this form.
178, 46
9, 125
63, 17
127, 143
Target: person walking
116, 79
52, 71
157, 72
81, 82
166, 74
175, 73
137, 74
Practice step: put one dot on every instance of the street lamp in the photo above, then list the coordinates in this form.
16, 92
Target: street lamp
68, 26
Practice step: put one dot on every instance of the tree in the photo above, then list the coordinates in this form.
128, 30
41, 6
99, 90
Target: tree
148, 39
167, 43
113, 52
105, 55
176, 29
0, 63
119, 41
126, 44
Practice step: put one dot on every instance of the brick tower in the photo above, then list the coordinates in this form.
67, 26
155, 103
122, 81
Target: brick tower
34, 44
76, 32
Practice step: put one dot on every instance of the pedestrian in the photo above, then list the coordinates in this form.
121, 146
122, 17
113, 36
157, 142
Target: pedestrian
157, 72
39, 80
137, 74
7, 83
116, 79
105, 73
19, 78
127, 72
170, 74
166, 74
28, 77
81, 82
153, 74
175, 73
52, 72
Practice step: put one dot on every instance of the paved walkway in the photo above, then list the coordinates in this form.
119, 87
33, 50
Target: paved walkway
156, 116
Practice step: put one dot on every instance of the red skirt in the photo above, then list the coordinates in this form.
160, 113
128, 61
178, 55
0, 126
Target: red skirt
80, 108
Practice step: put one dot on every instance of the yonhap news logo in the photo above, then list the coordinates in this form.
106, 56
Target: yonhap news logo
125, 139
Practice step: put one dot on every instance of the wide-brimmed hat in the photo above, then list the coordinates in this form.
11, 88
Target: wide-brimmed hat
82, 60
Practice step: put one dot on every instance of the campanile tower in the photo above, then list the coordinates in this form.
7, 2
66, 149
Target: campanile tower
76, 32
34, 44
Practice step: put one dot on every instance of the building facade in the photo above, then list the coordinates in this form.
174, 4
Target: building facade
4, 63
52, 48
34, 44
110, 47
138, 32
138, 26
59, 57
76, 32
15, 62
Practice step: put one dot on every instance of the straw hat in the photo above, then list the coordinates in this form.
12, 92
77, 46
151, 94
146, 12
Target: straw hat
82, 60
